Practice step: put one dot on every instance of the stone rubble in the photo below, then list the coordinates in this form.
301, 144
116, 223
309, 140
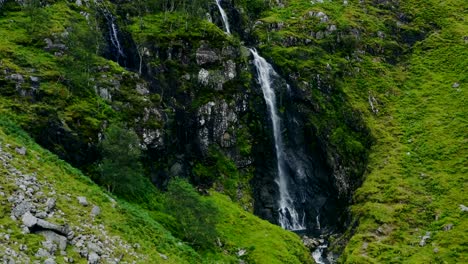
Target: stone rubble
34, 207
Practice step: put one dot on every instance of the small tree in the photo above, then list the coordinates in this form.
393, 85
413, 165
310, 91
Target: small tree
196, 217
120, 169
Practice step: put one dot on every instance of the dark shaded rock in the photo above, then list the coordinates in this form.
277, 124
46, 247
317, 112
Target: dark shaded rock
206, 55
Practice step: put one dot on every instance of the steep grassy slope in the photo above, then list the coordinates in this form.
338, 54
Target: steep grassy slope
134, 231
416, 179
402, 65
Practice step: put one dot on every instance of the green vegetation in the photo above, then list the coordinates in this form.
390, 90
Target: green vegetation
196, 217
402, 66
120, 170
188, 212
383, 84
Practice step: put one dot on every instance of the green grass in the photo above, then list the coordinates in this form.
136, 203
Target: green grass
238, 229
415, 178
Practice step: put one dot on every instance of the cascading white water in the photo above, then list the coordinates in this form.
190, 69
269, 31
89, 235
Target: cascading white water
318, 254
288, 216
115, 38
224, 16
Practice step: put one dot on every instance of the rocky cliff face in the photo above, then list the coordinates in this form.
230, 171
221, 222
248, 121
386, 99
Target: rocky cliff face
189, 91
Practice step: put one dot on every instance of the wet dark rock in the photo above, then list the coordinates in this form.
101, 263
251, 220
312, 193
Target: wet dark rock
206, 55
310, 243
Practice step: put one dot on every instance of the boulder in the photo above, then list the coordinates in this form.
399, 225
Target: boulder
206, 55
50, 204
29, 220
49, 261
21, 208
424, 239
82, 200
163, 256
93, 258
53, 237
463, 208
21, 150
95, 211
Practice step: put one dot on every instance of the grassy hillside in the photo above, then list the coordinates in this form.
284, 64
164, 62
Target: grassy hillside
383, 85
402, 65
416, 179
130, 231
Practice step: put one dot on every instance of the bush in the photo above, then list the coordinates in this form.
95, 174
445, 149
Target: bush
120, 170
196, 217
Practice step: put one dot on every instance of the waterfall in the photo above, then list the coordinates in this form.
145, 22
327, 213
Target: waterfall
113, 28
114, 37
224, 16
288, 216
318, 255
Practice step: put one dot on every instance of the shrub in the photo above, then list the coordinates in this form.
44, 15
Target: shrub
196, 216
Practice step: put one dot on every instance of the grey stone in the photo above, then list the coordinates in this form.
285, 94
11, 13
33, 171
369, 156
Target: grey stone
448, 227
230, 70
50, 246
34, 79
241, 252
21, 150
424, 239
41, 215
95, 211
319, 35
50, 204
49, 261
29, 220
42, 253
463, 208
82, 200
206, 55
204, 77
64, 230
93, 258
92, 247
163, 256
53, 237
17, 77
141, 89
456, 85
310, 243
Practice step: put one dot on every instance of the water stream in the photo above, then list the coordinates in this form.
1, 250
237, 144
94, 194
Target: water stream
224, 16
289, 218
